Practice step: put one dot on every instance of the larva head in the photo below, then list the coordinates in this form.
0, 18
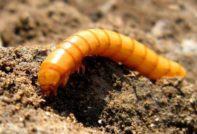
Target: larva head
49, 80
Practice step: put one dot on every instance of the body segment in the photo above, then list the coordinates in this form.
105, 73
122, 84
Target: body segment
67, 56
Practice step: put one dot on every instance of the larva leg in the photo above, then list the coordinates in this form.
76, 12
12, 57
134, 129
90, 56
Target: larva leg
81, 69
64, 80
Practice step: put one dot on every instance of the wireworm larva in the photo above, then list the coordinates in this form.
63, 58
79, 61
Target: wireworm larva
67, 56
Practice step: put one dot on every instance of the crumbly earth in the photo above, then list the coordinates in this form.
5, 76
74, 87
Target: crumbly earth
107, 97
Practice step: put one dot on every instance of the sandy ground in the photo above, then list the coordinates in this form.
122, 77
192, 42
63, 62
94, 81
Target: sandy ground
107, 97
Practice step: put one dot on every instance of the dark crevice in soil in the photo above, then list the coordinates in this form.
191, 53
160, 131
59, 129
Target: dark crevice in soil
80, 97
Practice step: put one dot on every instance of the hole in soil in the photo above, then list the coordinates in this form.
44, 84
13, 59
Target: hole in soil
78, 98
85, 94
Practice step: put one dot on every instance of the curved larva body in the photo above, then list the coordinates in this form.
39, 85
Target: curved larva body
67, 56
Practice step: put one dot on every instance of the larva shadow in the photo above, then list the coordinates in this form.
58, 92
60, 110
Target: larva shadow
86, 94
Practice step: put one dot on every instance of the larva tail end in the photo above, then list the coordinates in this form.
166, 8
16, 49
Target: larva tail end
49, 81
182, 72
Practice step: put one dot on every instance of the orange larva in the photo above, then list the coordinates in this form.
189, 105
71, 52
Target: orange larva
67, 56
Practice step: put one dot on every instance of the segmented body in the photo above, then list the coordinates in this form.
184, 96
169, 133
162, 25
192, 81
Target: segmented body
67, 56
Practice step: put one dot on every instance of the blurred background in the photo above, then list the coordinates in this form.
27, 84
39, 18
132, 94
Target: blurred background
47, 21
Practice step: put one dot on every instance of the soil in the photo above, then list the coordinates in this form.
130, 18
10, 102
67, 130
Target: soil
107, 97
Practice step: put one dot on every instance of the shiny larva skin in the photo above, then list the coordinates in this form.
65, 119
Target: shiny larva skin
67, 56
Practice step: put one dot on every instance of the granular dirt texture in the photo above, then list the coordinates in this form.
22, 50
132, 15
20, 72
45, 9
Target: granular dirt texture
106, 97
